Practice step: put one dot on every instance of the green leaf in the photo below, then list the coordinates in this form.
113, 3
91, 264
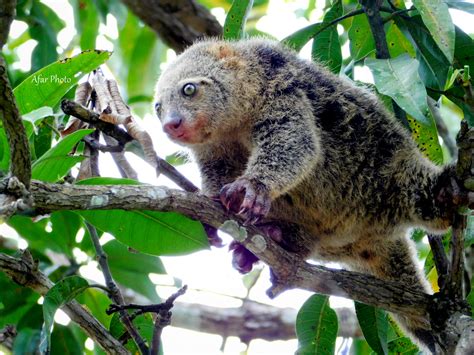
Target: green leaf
64, 342
54, 168
463, 5
326, 46
48, 85
58, 295
144, 325
362, 42
65, 226
131, 269
44, 25
4, 151
464, 50
30, 119
435, 15
156, 233
402, 346
97, 303
87, 22
236, 18
26, 342
107, 181
56, 162
398, 78
298, 39
316, 327
397, 43
374, 325
178, 158
434, 66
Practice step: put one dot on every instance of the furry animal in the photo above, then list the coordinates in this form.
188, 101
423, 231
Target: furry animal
282, 140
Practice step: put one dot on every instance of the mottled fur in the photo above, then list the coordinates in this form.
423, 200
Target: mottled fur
335, 163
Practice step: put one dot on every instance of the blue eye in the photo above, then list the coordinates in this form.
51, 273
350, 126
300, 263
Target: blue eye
189, 89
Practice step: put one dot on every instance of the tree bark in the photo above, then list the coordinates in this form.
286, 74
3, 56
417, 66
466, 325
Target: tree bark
178, 23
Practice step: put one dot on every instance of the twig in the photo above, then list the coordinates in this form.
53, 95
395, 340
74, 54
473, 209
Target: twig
442, 128
372, 10
440, 259
74, 109
115, 293
24, 271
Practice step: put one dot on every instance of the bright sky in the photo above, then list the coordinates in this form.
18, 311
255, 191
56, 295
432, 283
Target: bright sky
207, 270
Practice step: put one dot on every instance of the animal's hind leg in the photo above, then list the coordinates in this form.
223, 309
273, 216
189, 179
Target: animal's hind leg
395, 259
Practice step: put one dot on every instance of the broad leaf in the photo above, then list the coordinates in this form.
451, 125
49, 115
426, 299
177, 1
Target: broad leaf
44, 25
435, 15
316, 327
361, 40
30, 119
56, 162
97, 303
131, 269
298, 39
464, 50
236, 18
27, 341
156, 233
4, 151
402, 346
326, 46
48, 85
374, 324
61, 293
433, 64
64, 342
398, 78
144, 325
463, 5
397, 43
87, 22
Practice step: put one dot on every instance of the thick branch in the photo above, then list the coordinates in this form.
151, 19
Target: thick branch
24, 271
178, 23
252, 320
292, 271
7, 14
12, 123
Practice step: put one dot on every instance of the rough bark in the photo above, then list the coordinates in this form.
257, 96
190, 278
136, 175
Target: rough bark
24, 271
252, 320
290, 270
177, 22
20, 162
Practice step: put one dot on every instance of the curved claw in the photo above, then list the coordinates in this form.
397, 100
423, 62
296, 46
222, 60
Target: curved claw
247, 197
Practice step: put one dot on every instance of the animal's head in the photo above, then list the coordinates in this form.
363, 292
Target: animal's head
197, 96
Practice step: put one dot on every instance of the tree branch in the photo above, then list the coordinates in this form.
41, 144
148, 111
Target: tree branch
115, 293
178, 23
291, 271
24, 271
252, 320
12, 123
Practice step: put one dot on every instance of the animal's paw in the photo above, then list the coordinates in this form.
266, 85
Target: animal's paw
242, 258
247, 197
212, 236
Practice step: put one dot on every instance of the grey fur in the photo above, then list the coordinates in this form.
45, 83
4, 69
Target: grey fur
334, 162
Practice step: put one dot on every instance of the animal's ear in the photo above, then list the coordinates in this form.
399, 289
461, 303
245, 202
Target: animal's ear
226, 53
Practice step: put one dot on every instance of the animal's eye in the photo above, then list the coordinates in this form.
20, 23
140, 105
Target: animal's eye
189, 89
157, 106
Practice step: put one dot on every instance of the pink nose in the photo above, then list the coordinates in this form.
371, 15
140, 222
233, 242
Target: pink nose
174, 127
